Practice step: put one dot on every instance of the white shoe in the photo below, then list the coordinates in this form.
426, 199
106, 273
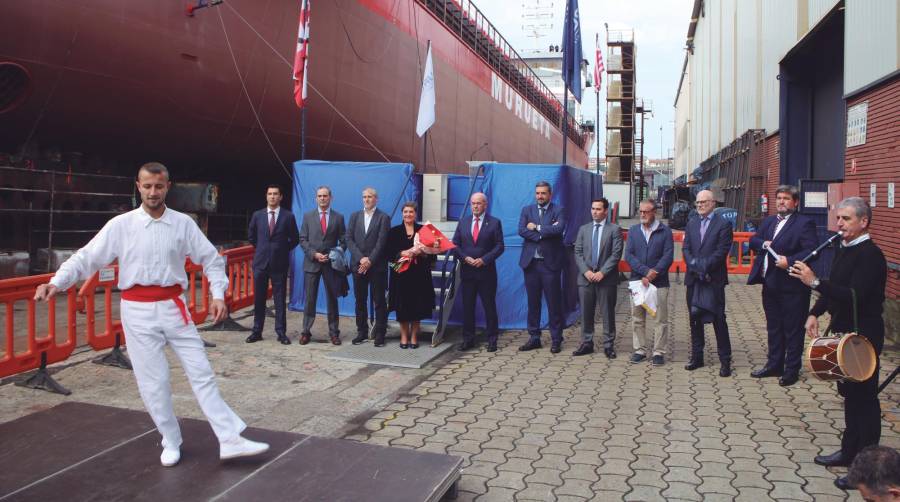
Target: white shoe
241, 447
170, 457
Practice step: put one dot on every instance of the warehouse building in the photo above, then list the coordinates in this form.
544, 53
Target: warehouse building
805, 92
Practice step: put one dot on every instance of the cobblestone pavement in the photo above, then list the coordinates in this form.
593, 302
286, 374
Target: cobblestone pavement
538, 426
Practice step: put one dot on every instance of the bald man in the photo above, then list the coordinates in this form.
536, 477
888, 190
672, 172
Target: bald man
479, 242
707, 240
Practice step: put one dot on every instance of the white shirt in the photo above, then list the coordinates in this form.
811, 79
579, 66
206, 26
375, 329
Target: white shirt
269, 213
150, 253
367, 218
480, 223
862, 238
648, 231
778, 228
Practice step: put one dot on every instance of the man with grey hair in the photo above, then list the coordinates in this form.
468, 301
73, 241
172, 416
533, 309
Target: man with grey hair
366, 238
649, 252
853, 294
876, 474
707, 240
782, 239
479, 242
321, 231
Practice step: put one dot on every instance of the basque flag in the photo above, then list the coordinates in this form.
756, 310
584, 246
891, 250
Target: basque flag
302, 54
572, 54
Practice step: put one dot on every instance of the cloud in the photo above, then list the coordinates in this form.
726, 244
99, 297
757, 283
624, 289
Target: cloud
660, 29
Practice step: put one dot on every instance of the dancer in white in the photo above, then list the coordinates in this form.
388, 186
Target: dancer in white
151, 244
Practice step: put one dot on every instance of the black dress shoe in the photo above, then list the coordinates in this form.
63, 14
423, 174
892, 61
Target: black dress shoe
379, 341
466, 345
584, 349
414, 345
842, 483
335, 340
725, 370
530, 345
284, 340
610, 353
555, 348
404, 345
766, 372
253, 338
360, 338
836, 459
492, 347
692, 365
788, 380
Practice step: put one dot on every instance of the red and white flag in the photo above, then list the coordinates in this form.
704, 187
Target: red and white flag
598, 67
302, 54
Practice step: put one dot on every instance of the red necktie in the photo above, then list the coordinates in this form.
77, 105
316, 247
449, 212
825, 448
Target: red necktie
271, 222
323, 222
475, 231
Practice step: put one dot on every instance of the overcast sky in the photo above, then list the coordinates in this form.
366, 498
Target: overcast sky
660, 29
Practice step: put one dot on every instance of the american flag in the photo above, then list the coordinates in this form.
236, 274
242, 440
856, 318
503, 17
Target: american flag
598, 67
300, 57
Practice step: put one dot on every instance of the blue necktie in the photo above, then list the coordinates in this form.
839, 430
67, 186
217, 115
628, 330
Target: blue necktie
704, 223
596, 246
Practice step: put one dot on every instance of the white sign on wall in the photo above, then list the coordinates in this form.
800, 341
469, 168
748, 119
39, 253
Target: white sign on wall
856, 124
873, 190
891, 195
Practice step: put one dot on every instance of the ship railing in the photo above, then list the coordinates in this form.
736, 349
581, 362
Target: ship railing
470, 25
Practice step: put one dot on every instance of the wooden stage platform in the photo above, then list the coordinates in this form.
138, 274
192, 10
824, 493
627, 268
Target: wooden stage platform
77, 451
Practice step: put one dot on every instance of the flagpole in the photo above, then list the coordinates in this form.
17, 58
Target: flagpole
565, 123
425, 152
303, 133
597, 89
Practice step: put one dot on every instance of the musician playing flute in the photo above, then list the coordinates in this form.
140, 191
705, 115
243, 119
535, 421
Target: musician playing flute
859, 266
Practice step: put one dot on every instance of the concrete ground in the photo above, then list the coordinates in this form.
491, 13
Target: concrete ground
534, 426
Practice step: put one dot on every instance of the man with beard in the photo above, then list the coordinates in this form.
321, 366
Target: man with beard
789, 236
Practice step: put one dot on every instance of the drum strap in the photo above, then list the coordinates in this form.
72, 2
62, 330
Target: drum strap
855, 316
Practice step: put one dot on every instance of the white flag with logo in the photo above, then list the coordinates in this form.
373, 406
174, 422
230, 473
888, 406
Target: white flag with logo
426, 101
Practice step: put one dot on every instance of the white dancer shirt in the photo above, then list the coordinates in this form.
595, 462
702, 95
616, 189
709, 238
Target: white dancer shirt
150, 253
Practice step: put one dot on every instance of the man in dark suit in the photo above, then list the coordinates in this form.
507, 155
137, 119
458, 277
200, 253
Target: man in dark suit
707, 240
321, 231
479, 242
598, 249
543, 227
273, 232
791, 236
366, 238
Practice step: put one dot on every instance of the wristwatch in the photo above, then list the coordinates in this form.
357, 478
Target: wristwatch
815, 283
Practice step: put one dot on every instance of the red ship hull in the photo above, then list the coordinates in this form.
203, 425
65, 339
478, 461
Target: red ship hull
138, 81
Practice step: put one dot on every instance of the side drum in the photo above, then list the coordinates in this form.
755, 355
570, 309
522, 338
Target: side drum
849, 357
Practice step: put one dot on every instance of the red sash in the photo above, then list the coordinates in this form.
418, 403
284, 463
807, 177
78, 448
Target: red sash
139, 293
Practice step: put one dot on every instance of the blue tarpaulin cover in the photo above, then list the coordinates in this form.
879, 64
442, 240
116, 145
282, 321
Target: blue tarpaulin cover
347, 181
508, 188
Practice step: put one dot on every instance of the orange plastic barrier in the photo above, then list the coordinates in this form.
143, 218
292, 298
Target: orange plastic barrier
739, 264
42, 349
107, 278
239, 269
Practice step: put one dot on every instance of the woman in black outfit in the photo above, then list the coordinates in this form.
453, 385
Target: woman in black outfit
411, 293
858, 265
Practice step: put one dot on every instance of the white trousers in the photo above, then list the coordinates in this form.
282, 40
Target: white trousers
149, 326
643, 324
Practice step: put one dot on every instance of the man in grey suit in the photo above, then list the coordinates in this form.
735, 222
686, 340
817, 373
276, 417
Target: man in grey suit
366, 238
598, 249
321, 231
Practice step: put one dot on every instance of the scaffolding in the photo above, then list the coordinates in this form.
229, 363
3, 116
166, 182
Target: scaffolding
620, 106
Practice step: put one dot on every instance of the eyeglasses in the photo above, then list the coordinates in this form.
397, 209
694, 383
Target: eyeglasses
699, 202
646, 212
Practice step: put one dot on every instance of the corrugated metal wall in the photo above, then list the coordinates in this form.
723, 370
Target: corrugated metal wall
871, 42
